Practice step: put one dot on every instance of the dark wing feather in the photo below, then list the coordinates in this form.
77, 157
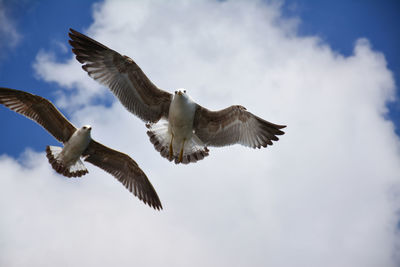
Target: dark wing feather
123, 76
234, 125
39, 110
125, 169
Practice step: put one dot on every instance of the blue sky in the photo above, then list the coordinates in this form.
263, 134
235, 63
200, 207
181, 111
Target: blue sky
42, 24
39, 23
341, 23
326, 194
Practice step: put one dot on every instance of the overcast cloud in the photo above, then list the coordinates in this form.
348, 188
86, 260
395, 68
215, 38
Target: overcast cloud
326, 194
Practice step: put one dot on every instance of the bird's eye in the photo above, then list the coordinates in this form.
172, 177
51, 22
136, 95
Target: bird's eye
84, 127
184, 91
176, 92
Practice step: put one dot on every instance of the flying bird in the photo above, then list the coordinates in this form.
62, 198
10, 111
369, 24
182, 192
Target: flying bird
78, 143
179, 128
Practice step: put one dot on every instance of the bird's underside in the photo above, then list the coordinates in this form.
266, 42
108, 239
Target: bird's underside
125, 79
178, 150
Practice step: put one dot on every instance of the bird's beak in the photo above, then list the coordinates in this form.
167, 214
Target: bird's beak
179, 93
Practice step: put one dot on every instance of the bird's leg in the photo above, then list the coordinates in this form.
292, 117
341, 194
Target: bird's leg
171, 150
181, 153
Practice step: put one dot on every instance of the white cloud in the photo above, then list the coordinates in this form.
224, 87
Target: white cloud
68, 75
326, 194
8, 32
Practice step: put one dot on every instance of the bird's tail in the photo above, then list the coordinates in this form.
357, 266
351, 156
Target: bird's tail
77, 169
194, 150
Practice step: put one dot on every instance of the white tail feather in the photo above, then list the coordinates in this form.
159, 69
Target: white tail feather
194, 150
75, 170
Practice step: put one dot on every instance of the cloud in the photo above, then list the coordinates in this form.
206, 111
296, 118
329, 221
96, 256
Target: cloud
10, 36
326, 194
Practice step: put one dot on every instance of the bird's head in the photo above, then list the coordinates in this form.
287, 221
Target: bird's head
180, 92
86, 128
84, 131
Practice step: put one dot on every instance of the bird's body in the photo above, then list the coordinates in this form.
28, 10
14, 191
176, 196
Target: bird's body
67, 160
181, 115
179, 128
78, 144
175, 137
180, 122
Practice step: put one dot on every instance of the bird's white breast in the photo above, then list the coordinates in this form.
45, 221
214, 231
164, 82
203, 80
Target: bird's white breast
75, 146
181, 115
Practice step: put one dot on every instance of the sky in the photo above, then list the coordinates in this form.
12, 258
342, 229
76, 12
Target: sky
326, 194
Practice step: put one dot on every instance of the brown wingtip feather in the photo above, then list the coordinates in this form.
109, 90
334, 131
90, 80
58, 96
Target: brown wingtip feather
84, 44
73, 33
159, 207
152, 200
125, 170
269, 133
156, 206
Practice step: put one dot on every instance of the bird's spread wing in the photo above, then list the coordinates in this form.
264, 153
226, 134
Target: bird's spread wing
125, 169
234, 125
123, 76
39, 110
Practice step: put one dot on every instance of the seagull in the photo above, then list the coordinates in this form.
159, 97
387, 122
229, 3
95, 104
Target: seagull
78, 143
179, 128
